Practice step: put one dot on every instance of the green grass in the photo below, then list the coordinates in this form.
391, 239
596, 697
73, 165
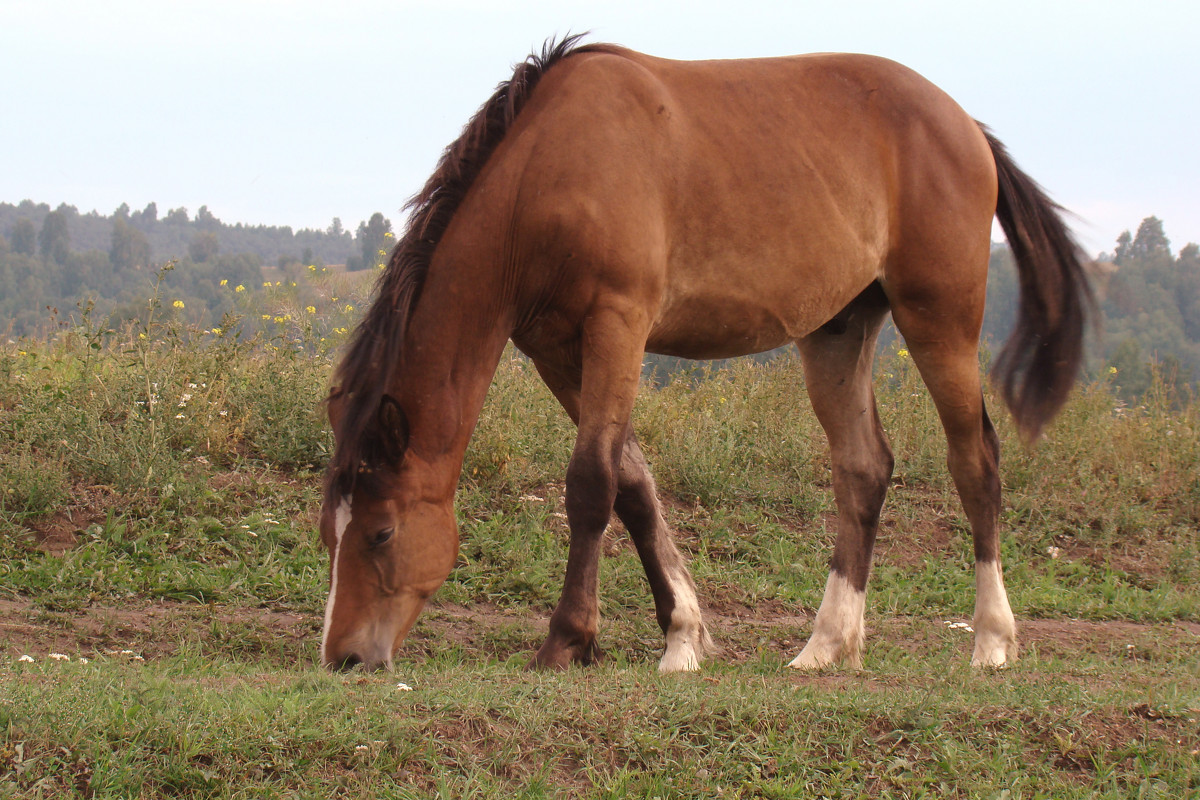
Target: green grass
159, 495
485, 729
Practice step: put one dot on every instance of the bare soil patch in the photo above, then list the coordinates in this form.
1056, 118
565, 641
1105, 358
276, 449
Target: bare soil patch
156, 630
60, 532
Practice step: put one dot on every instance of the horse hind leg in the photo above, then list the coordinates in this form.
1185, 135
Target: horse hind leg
837, 362
949, 366
675, 603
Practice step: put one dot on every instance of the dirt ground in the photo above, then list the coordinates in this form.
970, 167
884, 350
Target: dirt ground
155, 630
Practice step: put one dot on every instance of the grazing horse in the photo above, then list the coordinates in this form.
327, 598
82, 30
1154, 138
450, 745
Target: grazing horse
604, 203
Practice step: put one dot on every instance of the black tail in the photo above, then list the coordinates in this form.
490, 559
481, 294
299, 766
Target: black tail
1039, 363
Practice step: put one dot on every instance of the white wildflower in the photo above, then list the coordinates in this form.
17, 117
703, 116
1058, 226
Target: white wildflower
403, 687
26, 658
58, 656
1053, 552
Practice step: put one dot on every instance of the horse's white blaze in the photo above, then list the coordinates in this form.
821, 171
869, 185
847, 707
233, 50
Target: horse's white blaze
341, 520
838, 630
995, 627
685, 636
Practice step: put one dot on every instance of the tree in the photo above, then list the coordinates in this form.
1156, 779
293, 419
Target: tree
122, 212
372, 236
130, 248
204, 245
177, 216
1151, 242
335, 228
205, 220
54, 239
24, 237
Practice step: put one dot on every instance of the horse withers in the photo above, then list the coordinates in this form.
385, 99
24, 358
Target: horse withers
604, 203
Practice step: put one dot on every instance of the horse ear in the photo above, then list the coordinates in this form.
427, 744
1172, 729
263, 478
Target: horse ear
393, 429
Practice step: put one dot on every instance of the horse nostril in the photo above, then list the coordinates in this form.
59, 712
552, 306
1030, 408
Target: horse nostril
348, 663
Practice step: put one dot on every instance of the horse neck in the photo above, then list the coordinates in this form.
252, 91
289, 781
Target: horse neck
454, 342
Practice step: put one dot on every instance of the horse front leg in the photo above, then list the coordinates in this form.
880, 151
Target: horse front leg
611, 353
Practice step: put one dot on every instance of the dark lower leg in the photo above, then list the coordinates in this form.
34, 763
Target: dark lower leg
591, 488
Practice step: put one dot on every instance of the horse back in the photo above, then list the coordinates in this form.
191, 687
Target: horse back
743, 202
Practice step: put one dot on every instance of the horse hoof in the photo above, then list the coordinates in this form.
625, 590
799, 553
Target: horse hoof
561, 657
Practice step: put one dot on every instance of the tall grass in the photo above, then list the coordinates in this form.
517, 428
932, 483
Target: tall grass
160, 435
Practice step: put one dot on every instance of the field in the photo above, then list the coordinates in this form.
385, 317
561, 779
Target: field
159, 568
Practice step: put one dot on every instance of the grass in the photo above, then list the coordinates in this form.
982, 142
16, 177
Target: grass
158, 492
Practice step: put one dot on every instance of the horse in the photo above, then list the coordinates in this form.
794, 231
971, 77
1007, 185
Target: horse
604, 203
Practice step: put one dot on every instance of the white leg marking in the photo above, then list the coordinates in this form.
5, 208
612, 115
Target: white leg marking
838, 630
341, 519
686, 636
995, 628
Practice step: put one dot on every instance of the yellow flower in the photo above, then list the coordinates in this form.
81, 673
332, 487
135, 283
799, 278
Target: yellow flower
266, 316
276, 283
224, 281
348, 308
266, 284
389, 235
1112, 370
312, 268
141, 336
279, 319
240, 288
178, 304
311, 309
216, 331
902, 353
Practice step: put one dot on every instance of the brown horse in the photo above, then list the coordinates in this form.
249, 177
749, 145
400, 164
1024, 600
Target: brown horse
604, 203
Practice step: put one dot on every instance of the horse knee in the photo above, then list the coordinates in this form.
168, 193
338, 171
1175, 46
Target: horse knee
591, 491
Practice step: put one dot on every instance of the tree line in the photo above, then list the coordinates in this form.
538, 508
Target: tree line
54, 258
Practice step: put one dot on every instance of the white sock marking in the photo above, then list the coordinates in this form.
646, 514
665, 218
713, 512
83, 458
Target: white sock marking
686, 637
995, 627
838, 630
341, 520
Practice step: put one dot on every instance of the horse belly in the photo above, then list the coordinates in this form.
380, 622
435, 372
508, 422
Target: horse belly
708, 326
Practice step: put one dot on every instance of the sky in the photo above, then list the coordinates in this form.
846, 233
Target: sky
293, 113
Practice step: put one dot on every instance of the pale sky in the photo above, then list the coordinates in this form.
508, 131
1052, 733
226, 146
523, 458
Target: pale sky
292, 113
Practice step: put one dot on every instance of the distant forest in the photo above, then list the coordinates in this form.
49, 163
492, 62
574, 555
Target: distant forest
1149, 296
56, 258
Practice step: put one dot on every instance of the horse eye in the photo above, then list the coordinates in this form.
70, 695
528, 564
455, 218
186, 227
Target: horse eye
382, 536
